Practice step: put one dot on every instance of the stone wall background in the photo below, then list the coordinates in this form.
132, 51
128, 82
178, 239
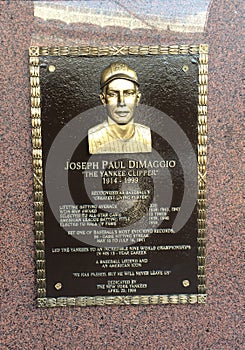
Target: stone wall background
216, 325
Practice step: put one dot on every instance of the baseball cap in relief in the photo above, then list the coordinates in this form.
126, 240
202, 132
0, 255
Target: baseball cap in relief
117, 70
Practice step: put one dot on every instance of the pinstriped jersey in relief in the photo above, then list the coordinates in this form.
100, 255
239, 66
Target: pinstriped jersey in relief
102, 139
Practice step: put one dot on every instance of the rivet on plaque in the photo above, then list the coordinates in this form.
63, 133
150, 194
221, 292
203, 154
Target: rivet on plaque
58, 286
51, 68
186, 283
185, 68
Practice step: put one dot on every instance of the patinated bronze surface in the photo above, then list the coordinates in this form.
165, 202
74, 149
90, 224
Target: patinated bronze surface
119, 151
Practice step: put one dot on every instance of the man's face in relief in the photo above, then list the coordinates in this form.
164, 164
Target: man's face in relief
120, 97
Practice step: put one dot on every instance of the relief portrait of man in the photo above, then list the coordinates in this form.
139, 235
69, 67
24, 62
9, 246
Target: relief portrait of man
120, 95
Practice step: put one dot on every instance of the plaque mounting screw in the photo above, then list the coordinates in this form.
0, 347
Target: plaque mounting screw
186, 283
185, 68
58, 285
51, 68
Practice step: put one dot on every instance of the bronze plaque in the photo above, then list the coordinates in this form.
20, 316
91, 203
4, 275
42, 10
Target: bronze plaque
119, 152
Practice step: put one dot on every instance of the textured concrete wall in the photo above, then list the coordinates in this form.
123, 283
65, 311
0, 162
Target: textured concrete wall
216, 325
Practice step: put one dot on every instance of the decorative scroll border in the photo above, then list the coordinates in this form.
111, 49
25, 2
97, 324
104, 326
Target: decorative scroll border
34, 53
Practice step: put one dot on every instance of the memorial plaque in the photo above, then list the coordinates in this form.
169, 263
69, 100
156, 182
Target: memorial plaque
119, 154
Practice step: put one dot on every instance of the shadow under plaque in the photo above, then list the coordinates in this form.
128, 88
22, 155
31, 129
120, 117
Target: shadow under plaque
119, 152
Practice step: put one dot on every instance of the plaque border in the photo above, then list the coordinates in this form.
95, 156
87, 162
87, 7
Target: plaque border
34, 53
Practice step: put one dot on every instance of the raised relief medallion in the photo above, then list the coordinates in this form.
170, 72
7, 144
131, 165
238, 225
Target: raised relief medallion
119, 152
